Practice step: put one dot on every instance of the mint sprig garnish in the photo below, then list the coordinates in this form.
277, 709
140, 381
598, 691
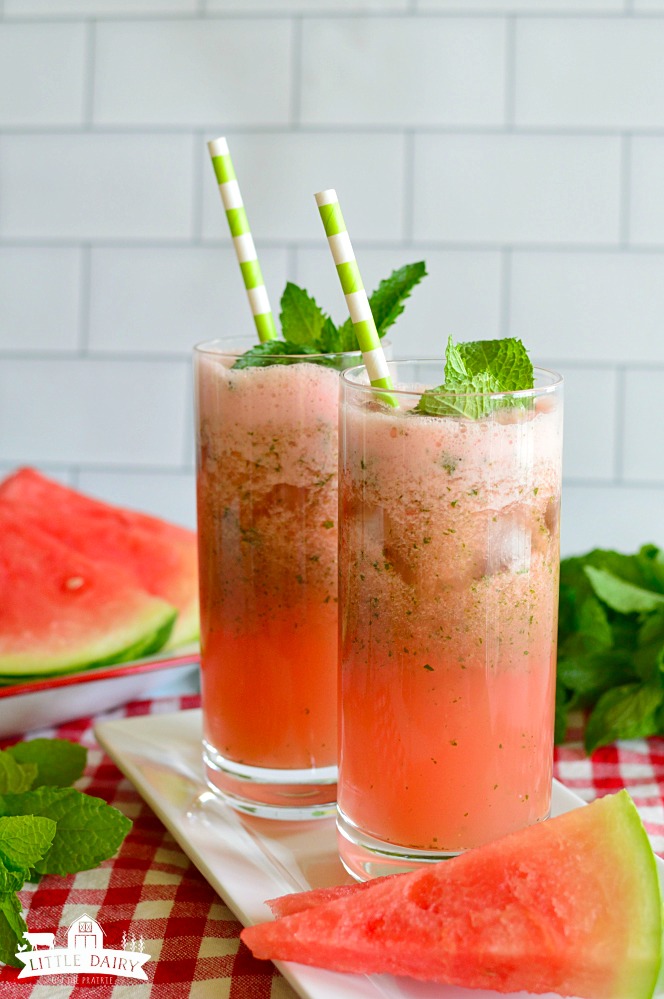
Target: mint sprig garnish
47, 827
611, 644
387, 302
302, 320
307, 329
475, 373
271, 352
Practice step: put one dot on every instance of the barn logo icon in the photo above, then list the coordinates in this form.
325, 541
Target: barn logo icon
85, 953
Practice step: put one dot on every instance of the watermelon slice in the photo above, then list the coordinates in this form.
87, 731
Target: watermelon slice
160, 557
61, 611
571, 905
287, 905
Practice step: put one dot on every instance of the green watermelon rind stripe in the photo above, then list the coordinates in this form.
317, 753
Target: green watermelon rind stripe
187, 628
147, 633
649, 895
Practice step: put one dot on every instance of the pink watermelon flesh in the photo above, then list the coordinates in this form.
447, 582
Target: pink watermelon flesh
287, 905
60, 611
160, 557
571, 905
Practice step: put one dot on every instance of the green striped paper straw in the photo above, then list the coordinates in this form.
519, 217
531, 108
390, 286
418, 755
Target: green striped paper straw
353, 289
242, 239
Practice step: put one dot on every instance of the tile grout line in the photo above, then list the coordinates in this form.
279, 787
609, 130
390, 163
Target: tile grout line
408, 191
505, 305
413, 10
274, 243
199, 158
625, 190
189, 427
89, 75
84, 299
296, 69
351, 130
619, 425
292, 262
509, 78
91, 355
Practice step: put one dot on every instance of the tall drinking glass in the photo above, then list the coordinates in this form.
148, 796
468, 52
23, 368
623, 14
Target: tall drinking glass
267, 463
449, 555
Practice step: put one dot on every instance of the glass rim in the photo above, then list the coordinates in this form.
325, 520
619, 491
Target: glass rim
537, 390
218, 347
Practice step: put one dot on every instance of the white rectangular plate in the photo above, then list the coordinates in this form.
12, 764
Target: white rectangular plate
247, 860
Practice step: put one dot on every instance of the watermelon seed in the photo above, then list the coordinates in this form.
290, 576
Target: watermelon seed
74, 583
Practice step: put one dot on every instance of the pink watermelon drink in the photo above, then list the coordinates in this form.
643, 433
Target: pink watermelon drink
448, 591
267, 509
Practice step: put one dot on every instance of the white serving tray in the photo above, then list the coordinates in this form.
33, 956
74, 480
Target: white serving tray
248, 860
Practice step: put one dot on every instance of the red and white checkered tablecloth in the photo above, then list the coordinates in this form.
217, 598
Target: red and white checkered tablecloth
152, 890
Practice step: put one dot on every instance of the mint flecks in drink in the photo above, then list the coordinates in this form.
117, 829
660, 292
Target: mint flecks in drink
307, 329
448, 583
475, 374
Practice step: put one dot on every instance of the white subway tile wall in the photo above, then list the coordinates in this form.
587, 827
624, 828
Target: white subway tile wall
515, 145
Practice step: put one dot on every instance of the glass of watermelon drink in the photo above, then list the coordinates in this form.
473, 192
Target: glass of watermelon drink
449, 555
267, 519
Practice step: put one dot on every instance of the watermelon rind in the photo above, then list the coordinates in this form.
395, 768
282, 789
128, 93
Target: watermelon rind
187, 626
147, 632
647, 906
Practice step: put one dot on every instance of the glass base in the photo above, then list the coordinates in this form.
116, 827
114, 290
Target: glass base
271, 793
366, 857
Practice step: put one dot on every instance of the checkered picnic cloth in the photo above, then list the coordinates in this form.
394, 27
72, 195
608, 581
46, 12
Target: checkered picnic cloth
152, 890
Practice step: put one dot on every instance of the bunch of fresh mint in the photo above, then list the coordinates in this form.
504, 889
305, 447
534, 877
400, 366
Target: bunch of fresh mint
474, 373
611, 644
306, 329
46, 826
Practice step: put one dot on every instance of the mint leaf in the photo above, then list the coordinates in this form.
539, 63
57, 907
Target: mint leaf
650, 560
24, 839
58, 761
48, 829
12, 928
589, 676
277, 352
15, 776
387, 302
347, 337
302, 320
621, 596
476, 371
611, 642
626, 712
651, 632
12, 880
627, 567
505, 361
338, 341
593, 625
88, 830
561, 716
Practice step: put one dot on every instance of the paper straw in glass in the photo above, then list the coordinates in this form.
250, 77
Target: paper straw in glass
353, 289
242, 239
